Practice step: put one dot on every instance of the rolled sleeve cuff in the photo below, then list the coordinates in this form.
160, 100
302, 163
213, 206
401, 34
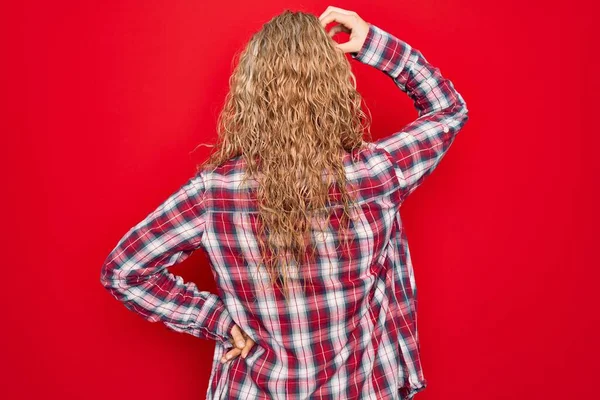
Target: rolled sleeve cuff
221, 324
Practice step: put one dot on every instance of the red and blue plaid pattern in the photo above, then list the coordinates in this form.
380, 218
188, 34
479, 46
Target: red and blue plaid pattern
351, 333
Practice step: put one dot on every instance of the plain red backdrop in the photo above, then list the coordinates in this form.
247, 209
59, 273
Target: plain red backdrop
105, 101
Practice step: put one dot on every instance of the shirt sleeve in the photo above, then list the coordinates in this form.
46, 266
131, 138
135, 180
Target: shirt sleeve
416, 149
136, 270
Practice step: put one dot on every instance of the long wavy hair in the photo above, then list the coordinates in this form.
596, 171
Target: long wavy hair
291, 112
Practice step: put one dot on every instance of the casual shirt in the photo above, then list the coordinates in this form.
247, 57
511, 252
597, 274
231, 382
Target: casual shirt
349, 334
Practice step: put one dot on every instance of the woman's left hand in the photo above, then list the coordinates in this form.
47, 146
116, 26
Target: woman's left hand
242, 344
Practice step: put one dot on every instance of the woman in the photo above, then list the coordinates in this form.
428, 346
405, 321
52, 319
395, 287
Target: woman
300, 219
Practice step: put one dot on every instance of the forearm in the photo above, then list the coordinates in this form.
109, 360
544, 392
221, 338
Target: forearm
136, 270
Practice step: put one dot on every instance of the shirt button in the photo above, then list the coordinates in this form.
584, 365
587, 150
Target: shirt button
446, 129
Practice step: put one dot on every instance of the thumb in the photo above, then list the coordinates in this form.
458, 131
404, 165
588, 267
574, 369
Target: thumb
238, 338
349, 46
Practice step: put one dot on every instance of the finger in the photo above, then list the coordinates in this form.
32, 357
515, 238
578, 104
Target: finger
325, 18
336, 29
348, 46
347, 20
230, 355
246, 349
324, 12
238, 338
332, 8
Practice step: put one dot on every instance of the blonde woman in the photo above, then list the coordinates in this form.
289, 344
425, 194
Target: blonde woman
298, 212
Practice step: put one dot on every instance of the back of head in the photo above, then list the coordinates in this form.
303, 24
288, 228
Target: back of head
291, 112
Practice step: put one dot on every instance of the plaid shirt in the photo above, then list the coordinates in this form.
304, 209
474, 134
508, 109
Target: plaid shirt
350, 334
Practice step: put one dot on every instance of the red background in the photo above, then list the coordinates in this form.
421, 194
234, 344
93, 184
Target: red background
103, 103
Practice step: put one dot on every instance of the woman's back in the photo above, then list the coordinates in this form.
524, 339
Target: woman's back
350, 321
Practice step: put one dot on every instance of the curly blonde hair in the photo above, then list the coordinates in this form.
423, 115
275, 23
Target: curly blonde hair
291, 111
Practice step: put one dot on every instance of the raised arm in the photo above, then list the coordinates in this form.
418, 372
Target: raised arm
135, 272
418, 148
